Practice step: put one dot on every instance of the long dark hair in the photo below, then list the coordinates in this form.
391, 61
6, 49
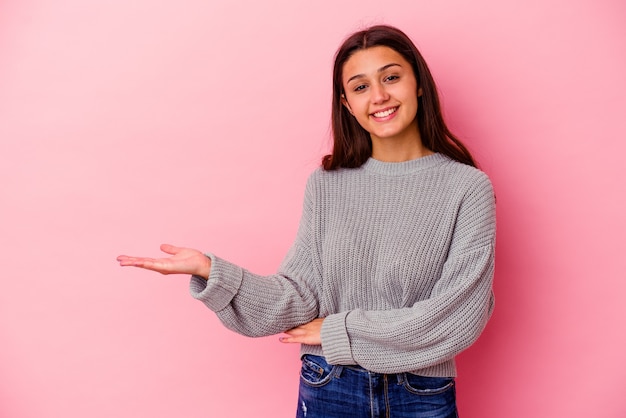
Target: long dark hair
352, 144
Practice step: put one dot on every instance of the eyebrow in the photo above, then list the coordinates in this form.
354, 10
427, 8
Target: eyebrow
380, 70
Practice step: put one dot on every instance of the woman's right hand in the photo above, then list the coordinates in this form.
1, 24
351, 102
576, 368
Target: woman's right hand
182, 261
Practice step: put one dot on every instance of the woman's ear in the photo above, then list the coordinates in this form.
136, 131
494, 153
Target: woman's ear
346, 104
419, 92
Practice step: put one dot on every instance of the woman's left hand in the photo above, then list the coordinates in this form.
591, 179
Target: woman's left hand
309, 334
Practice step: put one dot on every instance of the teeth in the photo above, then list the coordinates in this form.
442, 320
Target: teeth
385, 113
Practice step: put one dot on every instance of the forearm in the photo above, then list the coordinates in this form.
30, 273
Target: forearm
425, 334
255, 305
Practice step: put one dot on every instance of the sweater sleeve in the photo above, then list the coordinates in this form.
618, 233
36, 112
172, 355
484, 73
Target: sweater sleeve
255, 305
436, 329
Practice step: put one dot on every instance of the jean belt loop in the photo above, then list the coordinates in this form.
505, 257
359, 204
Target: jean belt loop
401, 377
338, 371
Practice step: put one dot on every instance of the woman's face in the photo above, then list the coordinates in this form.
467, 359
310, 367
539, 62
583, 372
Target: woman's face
381, 93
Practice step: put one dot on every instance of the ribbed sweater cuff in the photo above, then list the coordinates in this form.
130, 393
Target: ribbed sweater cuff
335, 340
222, 285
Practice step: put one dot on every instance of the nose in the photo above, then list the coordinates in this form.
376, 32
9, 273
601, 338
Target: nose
379, 94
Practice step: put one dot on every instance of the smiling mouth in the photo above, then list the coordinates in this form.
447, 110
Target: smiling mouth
385, 113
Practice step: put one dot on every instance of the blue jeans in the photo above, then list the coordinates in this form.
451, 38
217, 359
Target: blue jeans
328, 391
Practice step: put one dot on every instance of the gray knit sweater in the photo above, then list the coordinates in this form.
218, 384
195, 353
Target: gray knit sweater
397, 257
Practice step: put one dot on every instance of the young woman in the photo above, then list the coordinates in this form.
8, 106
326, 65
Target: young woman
390, 275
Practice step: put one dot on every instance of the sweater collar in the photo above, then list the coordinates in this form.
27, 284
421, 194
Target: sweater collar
404, 167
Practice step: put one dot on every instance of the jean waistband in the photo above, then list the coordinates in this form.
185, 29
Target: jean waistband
338, 369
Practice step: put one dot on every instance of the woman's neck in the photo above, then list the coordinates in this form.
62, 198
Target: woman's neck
397, 150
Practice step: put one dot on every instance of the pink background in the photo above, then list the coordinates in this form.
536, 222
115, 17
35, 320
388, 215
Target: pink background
127, 124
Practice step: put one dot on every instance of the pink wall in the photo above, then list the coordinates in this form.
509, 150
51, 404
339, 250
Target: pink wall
127, 124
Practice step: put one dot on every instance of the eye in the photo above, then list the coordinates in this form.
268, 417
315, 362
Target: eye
392, 78
359, 88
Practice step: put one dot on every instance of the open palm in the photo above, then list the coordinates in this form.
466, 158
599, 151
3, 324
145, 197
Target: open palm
182, 261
